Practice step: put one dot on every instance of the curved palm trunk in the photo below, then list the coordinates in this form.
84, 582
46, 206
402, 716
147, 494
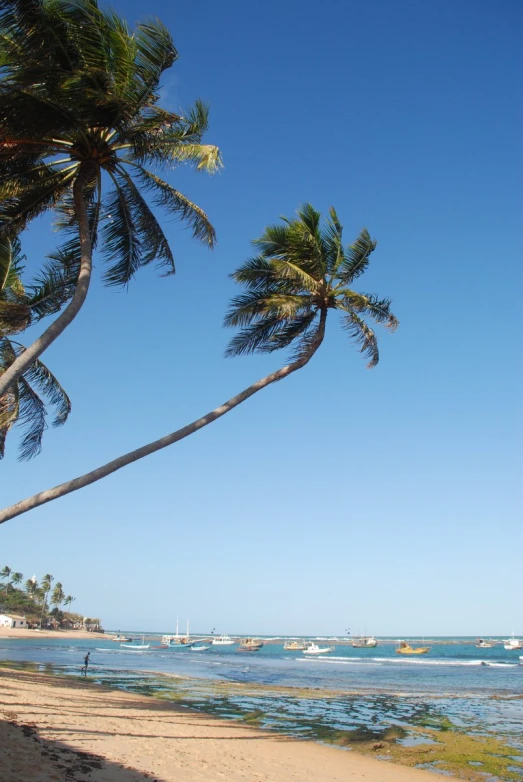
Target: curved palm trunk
21, 364
163, 442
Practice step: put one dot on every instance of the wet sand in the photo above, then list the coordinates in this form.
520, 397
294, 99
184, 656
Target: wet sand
54, 729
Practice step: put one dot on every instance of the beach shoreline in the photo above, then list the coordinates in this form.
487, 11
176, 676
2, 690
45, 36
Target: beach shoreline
25, 633
52, 723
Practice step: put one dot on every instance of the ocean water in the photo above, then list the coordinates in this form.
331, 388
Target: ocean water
480, 691
451, 668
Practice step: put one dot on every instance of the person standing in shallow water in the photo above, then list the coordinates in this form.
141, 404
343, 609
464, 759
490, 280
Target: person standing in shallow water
86, 662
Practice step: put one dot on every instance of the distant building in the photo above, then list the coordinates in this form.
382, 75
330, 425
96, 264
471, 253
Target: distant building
12, 620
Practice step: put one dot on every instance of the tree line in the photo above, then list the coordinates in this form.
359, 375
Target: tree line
39, 601
83, 137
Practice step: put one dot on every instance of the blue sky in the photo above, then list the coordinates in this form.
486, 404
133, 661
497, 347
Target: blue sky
342, 497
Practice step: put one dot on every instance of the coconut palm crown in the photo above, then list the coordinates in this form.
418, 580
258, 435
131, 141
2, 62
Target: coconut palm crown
79, 110
79, 96
302, 271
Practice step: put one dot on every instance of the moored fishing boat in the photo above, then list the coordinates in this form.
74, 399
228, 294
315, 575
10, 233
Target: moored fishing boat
295, 646
222, 640
364, 642
512, 644
484, 644
177, 639
199, 648
313, 648
250, 645
405, 648
136, 647
121, 638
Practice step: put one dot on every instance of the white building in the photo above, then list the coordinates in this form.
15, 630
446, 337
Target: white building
12, 620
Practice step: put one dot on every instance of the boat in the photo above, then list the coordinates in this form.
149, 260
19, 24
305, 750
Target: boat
199, 648
177, 639
222, 640
136, 647
483, 644
364, 642
121, 638
405, 648
250, 645
295, 646
313, 648
512, 644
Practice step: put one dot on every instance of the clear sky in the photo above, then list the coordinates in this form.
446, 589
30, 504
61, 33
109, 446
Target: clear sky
340, 498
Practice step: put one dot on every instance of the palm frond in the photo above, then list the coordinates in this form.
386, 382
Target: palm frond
356, 258
121, 244
369, 304
31, 418
152, 237
39, 376
180, 206
256, 305
362, 335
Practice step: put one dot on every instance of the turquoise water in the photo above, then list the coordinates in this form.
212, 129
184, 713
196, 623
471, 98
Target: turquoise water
453, 668
479, 690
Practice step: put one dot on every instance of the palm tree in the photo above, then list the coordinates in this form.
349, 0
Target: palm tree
301, 273
58, 596
5, 575
31, 587
45, 586
79, 111
16, 579
68, 600
23, 402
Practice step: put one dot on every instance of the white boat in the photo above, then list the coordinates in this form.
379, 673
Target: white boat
136, 647
512, 644
199, 648
364, 642
315, 649
121, 638
483, 644
222, 640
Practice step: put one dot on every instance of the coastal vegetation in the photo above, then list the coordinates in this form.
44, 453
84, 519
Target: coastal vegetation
302, 273
43, 603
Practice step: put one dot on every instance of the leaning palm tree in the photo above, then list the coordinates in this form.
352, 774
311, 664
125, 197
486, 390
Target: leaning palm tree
24, 403
302, 273
79, 112
68, 600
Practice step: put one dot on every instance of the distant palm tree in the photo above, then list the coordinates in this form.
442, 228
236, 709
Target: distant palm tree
5, 575
58, 595
16, 579
79, 110
302, 273
45, 586
25, 402
68, 600
31, 587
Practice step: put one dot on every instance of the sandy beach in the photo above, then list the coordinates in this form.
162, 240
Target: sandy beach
11, 632
54, 729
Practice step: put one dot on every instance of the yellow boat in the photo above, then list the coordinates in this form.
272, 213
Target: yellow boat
405, 648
